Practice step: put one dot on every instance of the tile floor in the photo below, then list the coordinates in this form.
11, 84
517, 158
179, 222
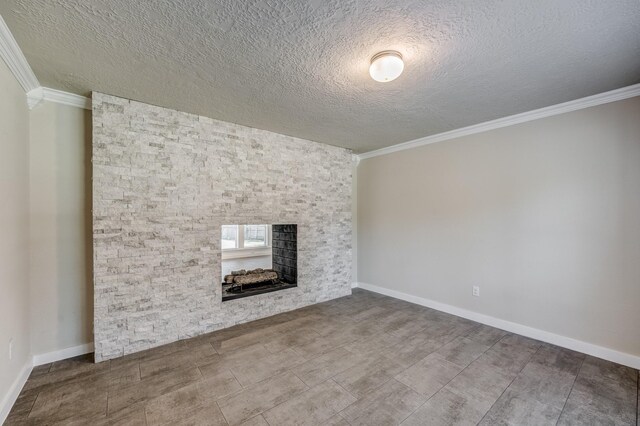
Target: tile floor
361, 360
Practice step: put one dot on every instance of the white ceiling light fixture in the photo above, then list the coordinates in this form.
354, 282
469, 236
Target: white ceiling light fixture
386, 66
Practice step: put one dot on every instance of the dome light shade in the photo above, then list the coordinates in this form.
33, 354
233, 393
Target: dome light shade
386, 66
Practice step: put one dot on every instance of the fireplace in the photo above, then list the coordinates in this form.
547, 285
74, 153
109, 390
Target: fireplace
258, 259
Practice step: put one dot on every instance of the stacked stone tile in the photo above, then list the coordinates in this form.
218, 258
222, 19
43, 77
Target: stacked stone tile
164, 182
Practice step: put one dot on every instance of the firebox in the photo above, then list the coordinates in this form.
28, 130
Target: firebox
258, 259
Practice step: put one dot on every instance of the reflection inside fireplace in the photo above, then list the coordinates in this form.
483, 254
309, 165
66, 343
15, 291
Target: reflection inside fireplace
258, 259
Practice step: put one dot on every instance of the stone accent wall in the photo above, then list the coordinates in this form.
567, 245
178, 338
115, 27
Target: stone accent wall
285, 252
164, 182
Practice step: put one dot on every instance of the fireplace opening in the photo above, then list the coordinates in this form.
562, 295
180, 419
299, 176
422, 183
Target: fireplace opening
258, 259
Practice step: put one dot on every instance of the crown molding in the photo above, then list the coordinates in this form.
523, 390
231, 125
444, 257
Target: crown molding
40, 94
35, 97
589, 101
14, 58
12, 55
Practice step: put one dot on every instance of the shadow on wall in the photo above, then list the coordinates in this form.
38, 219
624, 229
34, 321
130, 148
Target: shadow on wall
73, 226
88, 221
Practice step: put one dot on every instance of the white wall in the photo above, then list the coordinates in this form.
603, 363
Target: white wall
14, 234
61, 296
45, 232
543, 216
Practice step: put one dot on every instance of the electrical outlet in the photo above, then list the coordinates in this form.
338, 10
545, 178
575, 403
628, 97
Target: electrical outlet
476, 291
10, 349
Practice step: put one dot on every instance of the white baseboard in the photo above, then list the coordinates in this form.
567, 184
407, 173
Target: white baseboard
62, 354
16, 388
14, 391
354, 285
512, 327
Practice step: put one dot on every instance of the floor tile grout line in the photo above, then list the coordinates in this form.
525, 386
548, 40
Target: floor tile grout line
33, 403
342, 387
324, 380
343, 417
575, 379
511, 382
214, 348
411, 365
236, 379
434, 394
353, 396
430, 353
106, 408
305, 383
453, 378
80, 378
371, 390
611, 379
294, 396
225, 417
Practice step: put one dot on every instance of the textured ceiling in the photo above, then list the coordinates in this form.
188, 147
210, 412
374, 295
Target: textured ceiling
300, 67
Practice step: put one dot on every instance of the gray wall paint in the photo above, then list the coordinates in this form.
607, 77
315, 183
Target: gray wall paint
61, 290
164, 182
14, 231
543, 216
